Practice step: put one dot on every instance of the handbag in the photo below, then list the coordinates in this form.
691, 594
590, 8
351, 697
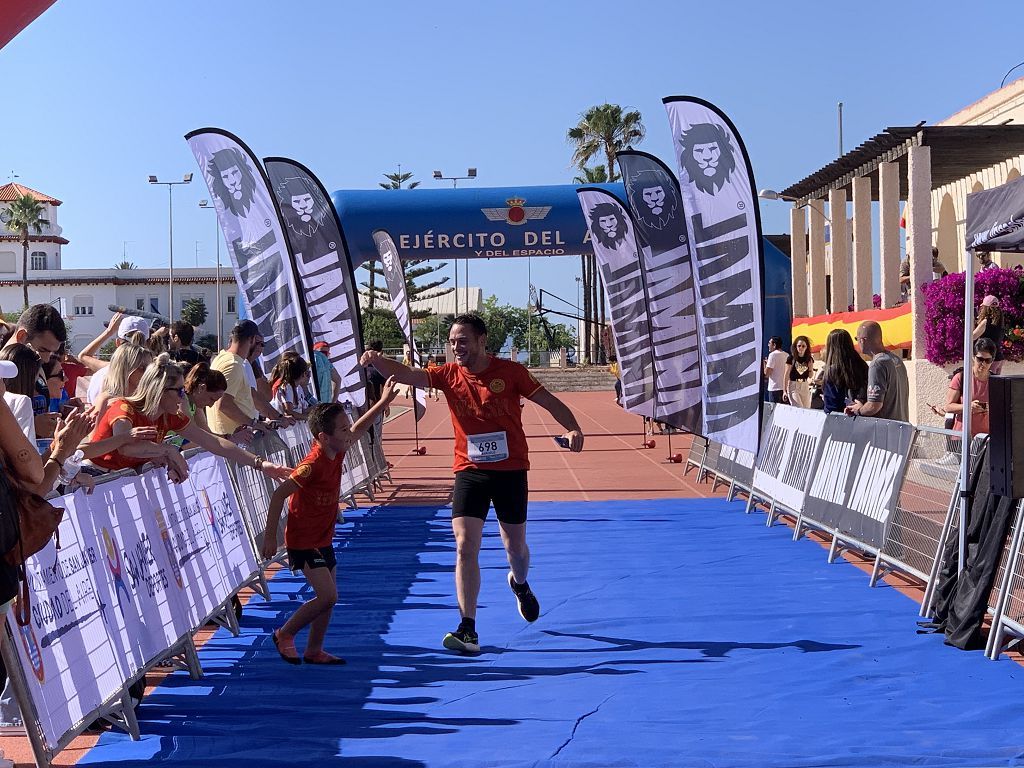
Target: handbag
38, 521
33, 521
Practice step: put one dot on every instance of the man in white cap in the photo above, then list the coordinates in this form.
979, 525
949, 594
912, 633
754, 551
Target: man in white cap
128, 328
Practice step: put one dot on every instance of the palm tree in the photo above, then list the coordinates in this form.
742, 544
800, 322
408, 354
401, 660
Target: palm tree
606, 129
25, 212
595, 174
126, 265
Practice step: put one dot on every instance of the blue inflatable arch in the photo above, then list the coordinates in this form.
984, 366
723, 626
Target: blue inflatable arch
504, 222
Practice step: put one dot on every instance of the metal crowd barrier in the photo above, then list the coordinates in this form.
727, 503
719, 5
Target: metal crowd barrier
252, 492
118, 709
709, 464
928, 495
695, 456
926, 516
1006, 601
951, 523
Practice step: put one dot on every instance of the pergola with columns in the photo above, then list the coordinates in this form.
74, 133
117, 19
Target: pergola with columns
899, 164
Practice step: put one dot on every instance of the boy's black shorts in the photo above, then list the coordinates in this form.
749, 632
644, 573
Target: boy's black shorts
476, 489
311, 558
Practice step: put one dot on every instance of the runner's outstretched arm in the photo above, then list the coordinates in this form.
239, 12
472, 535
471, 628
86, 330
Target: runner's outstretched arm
562, 415
414, 377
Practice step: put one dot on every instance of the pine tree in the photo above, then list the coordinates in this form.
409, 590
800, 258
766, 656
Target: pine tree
412, 269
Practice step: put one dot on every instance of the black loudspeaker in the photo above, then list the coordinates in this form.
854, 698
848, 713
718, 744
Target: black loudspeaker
1006, 435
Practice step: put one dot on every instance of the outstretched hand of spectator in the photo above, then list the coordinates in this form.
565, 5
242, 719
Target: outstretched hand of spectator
389, 391
275, 471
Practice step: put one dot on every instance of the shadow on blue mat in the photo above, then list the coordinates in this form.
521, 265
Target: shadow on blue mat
672, 633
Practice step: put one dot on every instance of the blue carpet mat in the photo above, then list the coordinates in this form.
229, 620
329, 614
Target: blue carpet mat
672, 633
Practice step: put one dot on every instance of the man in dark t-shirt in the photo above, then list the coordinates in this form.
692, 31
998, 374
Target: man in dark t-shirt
181, 349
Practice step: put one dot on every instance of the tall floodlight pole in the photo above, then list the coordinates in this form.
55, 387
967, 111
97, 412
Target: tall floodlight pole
220, 315
186, 179
470, 174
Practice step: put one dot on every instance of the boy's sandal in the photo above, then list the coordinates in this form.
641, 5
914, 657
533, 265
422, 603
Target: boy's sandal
324, 658
286, 649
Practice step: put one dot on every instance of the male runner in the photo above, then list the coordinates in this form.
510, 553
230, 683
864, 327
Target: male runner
491, 459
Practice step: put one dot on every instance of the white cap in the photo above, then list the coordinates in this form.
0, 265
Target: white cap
131, 324
8, 370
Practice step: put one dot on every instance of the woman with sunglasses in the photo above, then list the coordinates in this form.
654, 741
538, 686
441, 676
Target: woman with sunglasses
53, 371
981, 367
796, 381
157, 403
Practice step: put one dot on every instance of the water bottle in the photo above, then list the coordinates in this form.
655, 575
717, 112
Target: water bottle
71, 467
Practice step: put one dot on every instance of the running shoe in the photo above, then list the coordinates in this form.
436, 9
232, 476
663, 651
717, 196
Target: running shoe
462, 640
529, 607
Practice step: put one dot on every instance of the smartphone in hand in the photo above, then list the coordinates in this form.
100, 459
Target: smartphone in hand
561, 441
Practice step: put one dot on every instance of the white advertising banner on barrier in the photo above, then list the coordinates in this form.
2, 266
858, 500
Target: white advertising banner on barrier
135, 575
737, 465
858, 469
208, 475
788, 447
70, 662
186, 541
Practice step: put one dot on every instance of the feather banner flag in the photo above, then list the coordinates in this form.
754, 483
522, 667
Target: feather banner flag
252, 229
394, 274
613, 238
652, 193
724, 233
326, 278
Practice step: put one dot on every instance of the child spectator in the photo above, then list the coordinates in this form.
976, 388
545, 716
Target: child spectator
287, 382
314, 489
432, 363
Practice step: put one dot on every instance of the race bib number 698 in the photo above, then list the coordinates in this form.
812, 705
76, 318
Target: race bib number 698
487, 447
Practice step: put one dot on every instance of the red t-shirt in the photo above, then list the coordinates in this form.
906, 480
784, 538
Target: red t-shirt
118, 410
313, 509
485, 406
72, 371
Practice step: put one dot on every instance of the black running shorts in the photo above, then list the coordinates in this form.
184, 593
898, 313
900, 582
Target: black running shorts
477, 489
323, 557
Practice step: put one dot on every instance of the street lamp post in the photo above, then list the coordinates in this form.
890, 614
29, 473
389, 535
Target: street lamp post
220, 315
186, 179
771, 194
470, 174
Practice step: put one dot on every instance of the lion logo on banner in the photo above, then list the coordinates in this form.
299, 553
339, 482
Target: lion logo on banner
232, 180
653, 198
607, 225
708, 156
302, 204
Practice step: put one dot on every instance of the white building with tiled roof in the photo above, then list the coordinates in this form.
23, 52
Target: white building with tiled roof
44, 247
84, 295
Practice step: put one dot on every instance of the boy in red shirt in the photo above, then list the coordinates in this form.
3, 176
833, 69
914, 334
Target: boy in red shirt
314, 488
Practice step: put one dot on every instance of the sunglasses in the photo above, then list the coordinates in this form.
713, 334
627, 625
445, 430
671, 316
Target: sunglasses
179, 390
983, 360
59, 375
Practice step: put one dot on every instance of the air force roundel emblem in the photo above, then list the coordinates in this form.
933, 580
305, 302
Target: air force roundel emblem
517, 212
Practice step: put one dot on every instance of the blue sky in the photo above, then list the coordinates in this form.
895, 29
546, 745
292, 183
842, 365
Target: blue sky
351, 90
